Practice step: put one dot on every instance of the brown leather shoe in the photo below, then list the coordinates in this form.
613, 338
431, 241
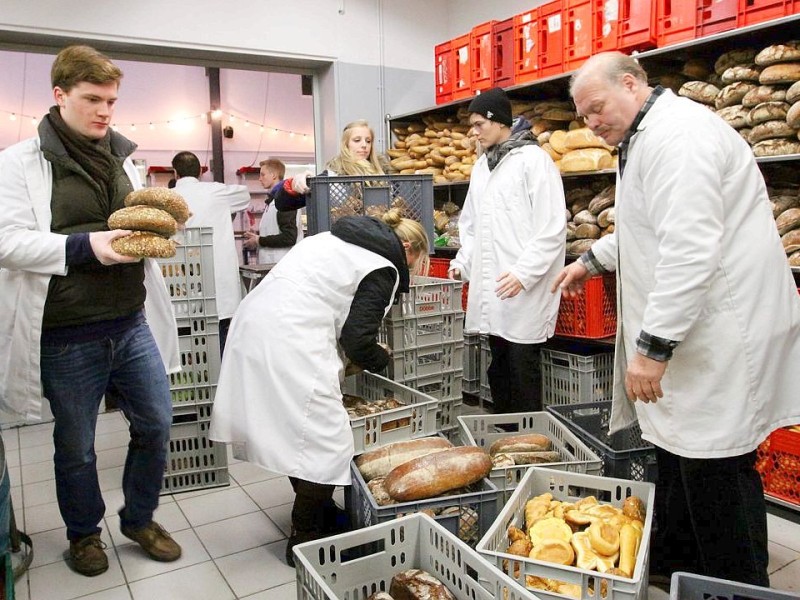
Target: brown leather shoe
154, 540
88, 555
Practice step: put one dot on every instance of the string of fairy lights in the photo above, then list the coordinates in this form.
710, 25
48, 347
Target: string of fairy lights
180, 123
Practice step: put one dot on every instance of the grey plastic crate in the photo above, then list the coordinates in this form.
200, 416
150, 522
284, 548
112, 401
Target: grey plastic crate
570, 487
198, 346
688, 586
569, 378
422, 330
472, 356
335, 197
477, 508
447, 388
624, 454
190, 273
417, 418
483, 430
428, 296
194, 395
354, 565
413, 363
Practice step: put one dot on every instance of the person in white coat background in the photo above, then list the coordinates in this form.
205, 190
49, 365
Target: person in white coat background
708, 336
513, 240
278, 230
279, 395
213, 204
76, 318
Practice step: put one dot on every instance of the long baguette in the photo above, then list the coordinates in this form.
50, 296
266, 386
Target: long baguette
525, 442
378, 463
437, 473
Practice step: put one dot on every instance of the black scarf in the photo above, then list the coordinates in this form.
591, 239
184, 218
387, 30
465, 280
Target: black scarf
520, 136
93, 157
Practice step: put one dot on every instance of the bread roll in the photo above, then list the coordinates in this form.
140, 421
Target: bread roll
143, 244
558, 141
780, 73
378, 463
741, 73
788, 220
735, 116
738, 56
163, 198
416, 584
793, 93
554, 551
524, 442
629, 539
586, 159
699, 91
793, 115
733, 94
778, 53
143, 218
771, 129
438, 473
764, 93
767, 111
791, 241
776, 147
551, 151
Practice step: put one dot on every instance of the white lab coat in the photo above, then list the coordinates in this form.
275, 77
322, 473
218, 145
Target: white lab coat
29, 255
513, 220
212, 205
269, 226
699, 261
279, 391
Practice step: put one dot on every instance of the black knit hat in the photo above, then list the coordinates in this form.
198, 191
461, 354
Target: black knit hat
494, 105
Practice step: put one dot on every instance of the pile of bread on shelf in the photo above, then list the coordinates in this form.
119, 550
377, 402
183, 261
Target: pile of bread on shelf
586, 534
784, 194
590, 214
757, 92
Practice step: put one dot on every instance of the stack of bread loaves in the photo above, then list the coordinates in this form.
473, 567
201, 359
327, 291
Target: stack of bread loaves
590, 215
153, 215
786, 210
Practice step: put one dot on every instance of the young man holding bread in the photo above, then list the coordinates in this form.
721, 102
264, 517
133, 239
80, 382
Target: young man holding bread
708, 334
72, 320
513, 239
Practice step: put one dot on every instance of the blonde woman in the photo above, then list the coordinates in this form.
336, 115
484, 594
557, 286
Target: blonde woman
279, 392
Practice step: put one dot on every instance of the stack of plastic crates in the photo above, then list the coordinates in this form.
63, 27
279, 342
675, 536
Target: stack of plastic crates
572, 378
194, 461
426, 333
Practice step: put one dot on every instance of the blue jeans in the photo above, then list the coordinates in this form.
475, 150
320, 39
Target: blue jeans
74, 378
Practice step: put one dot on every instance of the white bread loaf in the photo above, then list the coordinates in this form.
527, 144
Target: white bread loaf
780, 73
558, 141
378, 463
586, 159
776, 147
584, 138
778, 53
699, 91
524, 442
437, 473
415, 584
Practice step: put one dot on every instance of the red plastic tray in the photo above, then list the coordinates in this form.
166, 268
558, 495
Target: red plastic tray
592, 314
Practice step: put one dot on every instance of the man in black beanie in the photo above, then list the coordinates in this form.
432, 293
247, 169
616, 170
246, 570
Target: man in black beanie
513, 238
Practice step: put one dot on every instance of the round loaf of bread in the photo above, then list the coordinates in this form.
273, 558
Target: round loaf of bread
579, 247
793, 93
585, 216
587, 231
783, 202
606, 217
793, 115
735, 116
788, 220
163, 198
700, 91
733, 94
791, 241
794, 259
415, 583
144, 244
143, 218
741, 73
764, 93
776, 147
767, 111
780, 73
603, 200
738, 56
779, 53
770, 130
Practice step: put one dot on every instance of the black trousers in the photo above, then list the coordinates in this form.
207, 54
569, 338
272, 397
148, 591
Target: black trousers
711, 518
311, 512
515, 376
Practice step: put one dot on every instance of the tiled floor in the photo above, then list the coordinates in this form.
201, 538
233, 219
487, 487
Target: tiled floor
233, 538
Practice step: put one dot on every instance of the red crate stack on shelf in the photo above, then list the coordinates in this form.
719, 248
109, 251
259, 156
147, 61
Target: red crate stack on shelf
480, 45
756, 11
680, 21
526, 46
503, 52
462, 80
578, 38
624, 25
444, 71
551, 38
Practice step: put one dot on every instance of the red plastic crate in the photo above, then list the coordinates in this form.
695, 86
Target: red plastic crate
717, 16
756, 11
578, 35
624, 25
503, 52
480, 46
593, 313
551, 38
680, 20
439, 267
462, 81
526, 46
779, 464
444, 71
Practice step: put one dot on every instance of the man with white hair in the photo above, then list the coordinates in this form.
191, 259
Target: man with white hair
708, 315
